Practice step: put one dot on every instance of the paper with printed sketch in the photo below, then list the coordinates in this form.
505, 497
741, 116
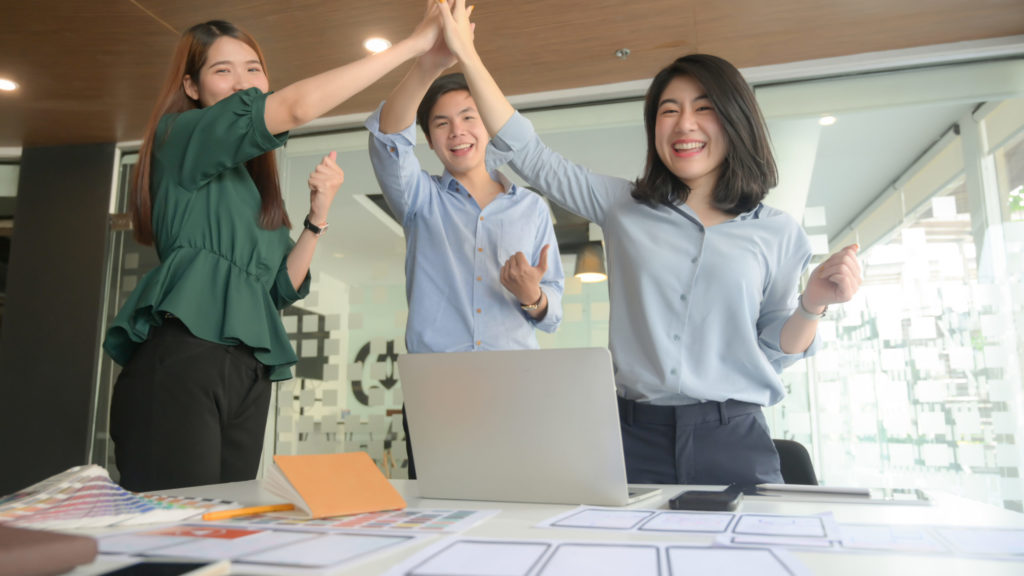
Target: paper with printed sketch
506, 557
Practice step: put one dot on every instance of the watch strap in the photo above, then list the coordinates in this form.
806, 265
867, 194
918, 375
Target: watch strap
807, 314
318, 230
535, 305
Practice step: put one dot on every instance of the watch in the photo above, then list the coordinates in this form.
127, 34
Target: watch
317, 230
806, 313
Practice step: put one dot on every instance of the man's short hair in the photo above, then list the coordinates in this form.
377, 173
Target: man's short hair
440, 87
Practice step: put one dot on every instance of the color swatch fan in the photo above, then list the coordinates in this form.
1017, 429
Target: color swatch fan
84, 497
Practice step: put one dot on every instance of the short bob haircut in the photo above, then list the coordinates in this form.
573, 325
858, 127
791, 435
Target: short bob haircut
440, 87
748, 170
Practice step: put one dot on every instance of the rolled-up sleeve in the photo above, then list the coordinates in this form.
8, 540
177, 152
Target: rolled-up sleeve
779, 303
401, 178
553, 282
283, 293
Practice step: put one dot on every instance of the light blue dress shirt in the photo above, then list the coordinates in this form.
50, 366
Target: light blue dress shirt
455, 251
696, 312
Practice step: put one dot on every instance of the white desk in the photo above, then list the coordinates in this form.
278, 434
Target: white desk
517, 521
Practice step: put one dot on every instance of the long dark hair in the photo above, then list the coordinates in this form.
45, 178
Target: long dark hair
748, 171
189, 58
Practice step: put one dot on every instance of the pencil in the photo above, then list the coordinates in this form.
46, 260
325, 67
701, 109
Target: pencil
248, 511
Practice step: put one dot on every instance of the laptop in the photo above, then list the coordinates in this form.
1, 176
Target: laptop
517, 426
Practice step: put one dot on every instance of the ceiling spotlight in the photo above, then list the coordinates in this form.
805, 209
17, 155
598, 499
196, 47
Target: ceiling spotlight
376, 45
8, 85
827, 120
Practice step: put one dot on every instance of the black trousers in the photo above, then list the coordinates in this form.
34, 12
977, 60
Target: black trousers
188, 412
707, 443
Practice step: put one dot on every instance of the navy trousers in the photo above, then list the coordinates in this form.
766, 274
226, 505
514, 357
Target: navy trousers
707, 443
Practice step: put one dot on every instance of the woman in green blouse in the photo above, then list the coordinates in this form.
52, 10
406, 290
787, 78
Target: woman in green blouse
200, 338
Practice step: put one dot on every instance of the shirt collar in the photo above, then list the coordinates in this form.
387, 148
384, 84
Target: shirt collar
752, 214
450, 184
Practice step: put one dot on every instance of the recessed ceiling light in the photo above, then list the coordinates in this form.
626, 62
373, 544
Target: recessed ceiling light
8, 85
376, 45
827, 120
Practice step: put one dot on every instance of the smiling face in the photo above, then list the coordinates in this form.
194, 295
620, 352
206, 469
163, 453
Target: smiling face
231, 65
689, 135
457, 134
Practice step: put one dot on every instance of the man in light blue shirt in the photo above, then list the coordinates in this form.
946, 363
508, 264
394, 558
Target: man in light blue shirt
482, 264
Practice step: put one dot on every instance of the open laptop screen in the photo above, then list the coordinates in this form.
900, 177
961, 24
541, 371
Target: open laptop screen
517, 425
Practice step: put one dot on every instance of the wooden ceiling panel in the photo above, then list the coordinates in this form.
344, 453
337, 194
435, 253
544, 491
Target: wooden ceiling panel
84, 69
90, 69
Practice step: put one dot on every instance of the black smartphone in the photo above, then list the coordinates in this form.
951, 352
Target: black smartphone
166, 568
709, 500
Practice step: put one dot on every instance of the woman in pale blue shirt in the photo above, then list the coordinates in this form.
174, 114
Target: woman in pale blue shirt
703, 277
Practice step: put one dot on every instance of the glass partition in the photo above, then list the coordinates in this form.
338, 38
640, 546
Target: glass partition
918, 382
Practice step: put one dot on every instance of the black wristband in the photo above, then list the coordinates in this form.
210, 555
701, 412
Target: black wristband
317, 230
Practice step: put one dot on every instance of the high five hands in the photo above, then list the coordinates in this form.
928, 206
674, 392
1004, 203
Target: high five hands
834, 281
458, 30
440, 57
522, 279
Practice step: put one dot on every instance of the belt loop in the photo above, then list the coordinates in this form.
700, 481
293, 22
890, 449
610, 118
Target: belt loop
723, 415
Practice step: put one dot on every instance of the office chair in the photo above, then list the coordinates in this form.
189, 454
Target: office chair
797, 467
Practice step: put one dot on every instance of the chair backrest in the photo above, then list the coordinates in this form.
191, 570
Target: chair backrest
797, 467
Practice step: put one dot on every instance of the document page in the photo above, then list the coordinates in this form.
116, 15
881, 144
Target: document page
501, 557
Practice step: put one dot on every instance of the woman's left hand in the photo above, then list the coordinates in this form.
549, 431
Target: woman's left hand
323, 185
835, 280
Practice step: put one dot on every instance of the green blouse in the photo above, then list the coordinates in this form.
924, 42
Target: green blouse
220, 273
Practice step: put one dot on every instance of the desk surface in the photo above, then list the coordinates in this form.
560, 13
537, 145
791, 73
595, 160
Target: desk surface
518, 520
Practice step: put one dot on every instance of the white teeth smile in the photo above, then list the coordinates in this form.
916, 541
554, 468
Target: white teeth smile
688, 145
461, 147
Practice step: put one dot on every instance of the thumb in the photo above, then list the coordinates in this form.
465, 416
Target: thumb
333, 155
542, 261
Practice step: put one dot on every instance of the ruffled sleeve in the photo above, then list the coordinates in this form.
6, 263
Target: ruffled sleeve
197, 145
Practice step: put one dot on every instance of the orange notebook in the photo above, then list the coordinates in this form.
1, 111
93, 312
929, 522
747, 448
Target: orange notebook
324, 485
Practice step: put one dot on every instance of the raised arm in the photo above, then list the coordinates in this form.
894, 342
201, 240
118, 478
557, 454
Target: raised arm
494, 108
308, 99
324, 182
399, 110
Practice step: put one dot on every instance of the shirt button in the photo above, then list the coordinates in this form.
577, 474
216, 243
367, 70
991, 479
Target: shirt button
672, 371
481, 218
693, 260
478, 311
682, 297
477, 342
675, 337
479, 278
479, 249
391, 149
